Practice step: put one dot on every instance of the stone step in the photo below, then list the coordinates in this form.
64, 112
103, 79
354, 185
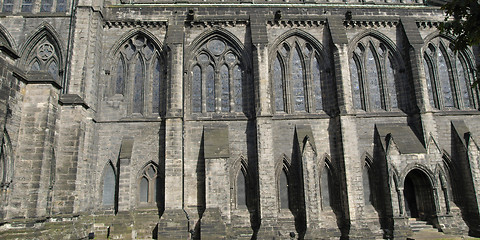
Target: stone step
418, 225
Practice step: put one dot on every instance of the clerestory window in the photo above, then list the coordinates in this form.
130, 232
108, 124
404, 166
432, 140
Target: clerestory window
448, 76
139, 76
217, 78
299, 75
376, 77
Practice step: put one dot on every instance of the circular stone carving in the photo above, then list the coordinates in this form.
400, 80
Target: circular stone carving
45, 51
230, 58
216, 46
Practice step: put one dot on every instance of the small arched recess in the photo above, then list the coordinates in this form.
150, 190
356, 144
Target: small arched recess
42, 51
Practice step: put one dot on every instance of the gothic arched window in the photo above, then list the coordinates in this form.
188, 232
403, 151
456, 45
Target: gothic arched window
298, 77
149, 184
325, 191
217, 78
139, 76
375, 74
241, 189
109, 185
283, 189
6, 161
448, 76
367, 185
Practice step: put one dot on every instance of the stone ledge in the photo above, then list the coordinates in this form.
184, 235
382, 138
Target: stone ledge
72, 100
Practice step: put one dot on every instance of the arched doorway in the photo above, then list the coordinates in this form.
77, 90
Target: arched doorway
418, 194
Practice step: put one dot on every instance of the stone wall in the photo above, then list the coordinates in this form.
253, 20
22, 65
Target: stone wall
117, 117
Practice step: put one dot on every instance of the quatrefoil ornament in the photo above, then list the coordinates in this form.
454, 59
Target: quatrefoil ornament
45, 51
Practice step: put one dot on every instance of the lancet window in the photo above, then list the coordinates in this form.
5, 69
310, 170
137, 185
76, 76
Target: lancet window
448, 76
139, 76
325, 185
109, 185
298, 77
217, 78
374, 76
6, 161
241, 188
283, 189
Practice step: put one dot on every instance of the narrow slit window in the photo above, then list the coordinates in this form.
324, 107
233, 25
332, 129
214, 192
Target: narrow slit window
278, 86
210, 86
241, 191
237, 84
224, 80
156, 87
283, 188
197, 89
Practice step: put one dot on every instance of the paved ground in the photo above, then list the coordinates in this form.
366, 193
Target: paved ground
434, 234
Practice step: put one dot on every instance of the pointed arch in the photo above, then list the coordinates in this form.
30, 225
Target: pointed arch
283, 182
6, 38
241, 182
157, 44
368, 182
327, 185
44, 32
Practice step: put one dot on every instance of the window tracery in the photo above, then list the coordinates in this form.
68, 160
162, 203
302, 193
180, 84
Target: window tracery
217, 78
45, 57
375, 76
149, 182
448, 76
298, 77
140, 76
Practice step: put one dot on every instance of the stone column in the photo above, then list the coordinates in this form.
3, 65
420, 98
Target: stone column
266, 163
71, 132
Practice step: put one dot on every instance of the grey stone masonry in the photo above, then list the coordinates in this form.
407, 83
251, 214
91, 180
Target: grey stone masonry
306, 119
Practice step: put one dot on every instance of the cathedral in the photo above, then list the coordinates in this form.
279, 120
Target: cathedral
235, 119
